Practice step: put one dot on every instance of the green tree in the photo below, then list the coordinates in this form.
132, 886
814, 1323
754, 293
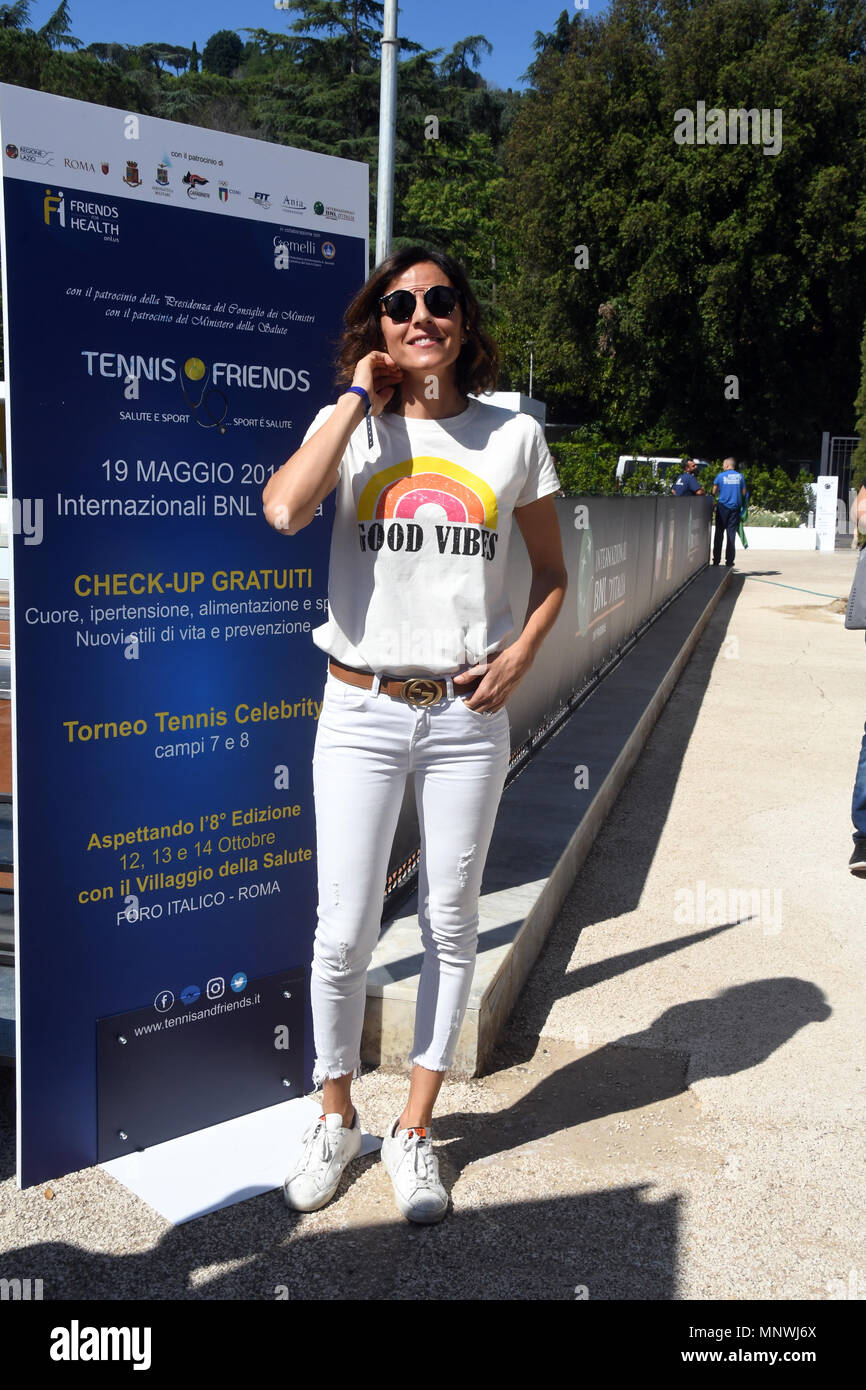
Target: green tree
56, 32
353, 29
22, 56
707, 290
461, 65
587, 468
222, 53
83, 77
453, 202
15, 16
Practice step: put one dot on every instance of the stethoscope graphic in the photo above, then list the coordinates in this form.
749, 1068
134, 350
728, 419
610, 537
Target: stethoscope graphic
204, 401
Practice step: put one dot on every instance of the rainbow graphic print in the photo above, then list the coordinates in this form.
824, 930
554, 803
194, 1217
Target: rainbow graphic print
429, 489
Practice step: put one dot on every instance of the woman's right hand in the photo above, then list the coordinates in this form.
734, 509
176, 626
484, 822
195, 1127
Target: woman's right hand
379, 375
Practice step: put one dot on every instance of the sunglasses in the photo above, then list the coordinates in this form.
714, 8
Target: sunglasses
399, 305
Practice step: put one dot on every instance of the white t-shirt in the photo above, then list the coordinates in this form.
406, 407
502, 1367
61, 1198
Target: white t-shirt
420, 542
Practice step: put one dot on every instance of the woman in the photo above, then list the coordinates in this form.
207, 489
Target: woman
418, 674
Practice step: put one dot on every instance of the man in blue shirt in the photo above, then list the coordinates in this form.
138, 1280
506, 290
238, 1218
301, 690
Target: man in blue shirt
687, 484
730, 488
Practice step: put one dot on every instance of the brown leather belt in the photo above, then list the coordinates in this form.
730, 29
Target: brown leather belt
415, 690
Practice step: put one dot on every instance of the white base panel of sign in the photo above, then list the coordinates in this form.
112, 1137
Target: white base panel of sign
217, 1167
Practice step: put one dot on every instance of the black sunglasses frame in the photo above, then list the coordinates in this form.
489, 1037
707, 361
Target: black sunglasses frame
433, 290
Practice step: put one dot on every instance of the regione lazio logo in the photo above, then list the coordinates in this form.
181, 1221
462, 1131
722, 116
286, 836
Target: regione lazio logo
459, 508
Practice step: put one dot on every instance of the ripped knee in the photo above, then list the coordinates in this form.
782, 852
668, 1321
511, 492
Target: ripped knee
464, 863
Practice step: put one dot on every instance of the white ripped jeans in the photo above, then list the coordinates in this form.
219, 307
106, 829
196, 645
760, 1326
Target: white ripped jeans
366, 745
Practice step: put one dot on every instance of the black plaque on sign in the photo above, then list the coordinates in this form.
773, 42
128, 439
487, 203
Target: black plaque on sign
186, 1063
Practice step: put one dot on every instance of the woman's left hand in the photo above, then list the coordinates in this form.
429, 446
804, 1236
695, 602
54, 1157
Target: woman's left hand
502, 672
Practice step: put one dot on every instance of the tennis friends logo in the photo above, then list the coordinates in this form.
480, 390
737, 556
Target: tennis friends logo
459, 509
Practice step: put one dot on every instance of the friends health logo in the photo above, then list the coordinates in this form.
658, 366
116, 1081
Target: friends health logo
460, 509
83, 215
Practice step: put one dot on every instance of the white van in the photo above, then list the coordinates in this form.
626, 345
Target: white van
661, 463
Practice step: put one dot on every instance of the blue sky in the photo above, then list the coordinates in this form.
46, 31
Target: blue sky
510, 25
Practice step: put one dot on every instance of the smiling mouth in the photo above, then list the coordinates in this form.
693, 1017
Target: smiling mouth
424, 342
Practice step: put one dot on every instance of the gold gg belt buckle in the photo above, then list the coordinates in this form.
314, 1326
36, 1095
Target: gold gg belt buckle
420, 691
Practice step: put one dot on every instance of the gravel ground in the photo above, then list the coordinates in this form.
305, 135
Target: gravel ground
676, 1109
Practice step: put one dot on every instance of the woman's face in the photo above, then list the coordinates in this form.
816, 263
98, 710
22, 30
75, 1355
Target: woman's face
426, 344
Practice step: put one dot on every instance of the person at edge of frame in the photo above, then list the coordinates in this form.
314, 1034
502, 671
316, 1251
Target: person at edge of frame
857, 862
428, 482
729, 487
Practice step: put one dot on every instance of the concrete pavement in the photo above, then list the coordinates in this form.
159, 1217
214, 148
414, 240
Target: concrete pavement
675, 1110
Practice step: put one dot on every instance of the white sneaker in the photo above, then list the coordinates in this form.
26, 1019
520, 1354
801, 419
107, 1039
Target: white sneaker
409, 1159
326, 1147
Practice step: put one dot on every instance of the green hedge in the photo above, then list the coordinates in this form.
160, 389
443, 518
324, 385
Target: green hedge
586, 469
587, 466
759, 517
776, 492
642, 483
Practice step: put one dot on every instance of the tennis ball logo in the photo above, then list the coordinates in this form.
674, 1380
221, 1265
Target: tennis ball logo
194, 368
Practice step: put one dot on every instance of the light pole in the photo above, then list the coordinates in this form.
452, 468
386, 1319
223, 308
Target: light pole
530, 343
387, 130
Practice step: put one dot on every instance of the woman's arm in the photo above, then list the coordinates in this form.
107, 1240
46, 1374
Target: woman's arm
293, 493
539, 526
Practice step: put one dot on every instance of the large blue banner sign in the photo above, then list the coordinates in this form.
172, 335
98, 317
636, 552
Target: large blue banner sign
172, 300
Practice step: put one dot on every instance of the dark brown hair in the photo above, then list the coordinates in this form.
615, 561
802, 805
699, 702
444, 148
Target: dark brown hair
477, 367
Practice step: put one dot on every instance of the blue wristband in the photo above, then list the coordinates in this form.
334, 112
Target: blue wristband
359, 391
